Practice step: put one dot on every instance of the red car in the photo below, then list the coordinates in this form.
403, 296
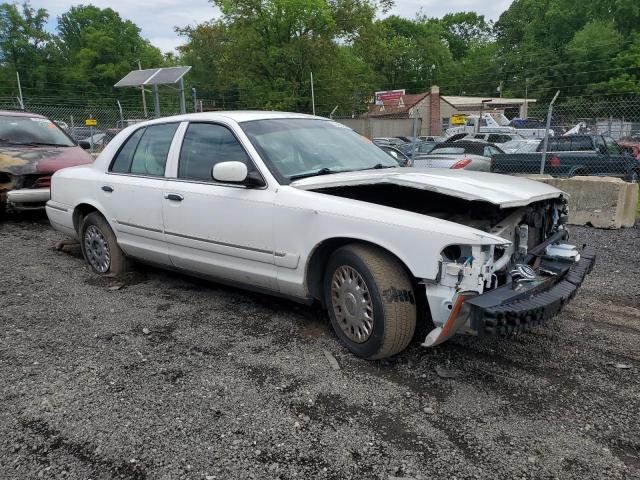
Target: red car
32, 148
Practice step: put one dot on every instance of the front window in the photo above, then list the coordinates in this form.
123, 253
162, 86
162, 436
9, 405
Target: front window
295, 148
31, 131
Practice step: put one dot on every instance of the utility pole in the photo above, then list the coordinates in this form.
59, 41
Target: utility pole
501, 87
313, 97
20, 91
144, 97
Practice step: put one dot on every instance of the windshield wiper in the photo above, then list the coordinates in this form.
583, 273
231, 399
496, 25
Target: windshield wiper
322, 171
377, 166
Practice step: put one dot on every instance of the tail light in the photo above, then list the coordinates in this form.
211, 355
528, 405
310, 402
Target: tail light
42, 182
554, 161
461, 163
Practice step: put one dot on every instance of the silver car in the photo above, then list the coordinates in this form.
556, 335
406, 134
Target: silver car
468, 155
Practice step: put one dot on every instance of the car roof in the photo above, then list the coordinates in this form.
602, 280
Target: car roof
476, 147
20, 113
236, 115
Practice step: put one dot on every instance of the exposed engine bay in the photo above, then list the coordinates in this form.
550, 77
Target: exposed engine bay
531, 232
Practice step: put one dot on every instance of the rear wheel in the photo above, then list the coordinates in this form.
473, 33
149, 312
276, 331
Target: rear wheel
100, 247
370, 300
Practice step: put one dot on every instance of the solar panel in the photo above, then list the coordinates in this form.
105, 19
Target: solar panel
167, 75
152, 76
136, 77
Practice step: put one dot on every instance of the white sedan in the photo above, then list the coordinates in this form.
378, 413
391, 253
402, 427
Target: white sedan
303, 207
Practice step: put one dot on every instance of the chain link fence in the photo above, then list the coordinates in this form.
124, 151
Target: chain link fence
586, 136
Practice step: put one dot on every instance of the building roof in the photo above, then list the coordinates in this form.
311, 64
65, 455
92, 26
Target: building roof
459, 101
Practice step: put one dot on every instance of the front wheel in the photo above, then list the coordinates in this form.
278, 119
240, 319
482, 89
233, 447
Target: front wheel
370, 301
100, 247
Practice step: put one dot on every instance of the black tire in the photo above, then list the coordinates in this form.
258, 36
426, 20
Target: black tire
96, 235
388, 295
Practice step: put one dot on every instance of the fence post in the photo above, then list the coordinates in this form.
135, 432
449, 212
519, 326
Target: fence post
415, 131
543, 160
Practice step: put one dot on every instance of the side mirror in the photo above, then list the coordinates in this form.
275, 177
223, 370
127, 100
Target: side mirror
84, 145
230, 172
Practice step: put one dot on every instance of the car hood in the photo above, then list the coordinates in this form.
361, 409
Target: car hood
40, 160
503, 190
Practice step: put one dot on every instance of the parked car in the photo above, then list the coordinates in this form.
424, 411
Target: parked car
572, 155
388, 141
496, 138
499, 124
430, 138
303, 207
402, 159
523, 145
468, 155
100, 140
80, 133
411, 149
32, 148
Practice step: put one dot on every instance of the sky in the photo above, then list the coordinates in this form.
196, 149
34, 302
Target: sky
157, 18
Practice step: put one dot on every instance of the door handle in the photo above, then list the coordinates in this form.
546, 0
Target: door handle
176, 197
107, 188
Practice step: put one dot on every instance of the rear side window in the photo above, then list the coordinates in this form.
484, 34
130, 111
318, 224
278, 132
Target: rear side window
581, 144
151, 153
205, 145
122, 162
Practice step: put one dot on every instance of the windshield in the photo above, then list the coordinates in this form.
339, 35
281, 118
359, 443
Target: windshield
16, 130
298, 147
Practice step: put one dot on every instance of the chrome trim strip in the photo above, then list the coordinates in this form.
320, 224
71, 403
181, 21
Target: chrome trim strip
139, 226
224, 244
57, 208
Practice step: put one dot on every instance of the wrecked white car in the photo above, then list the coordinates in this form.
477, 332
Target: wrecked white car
303, 207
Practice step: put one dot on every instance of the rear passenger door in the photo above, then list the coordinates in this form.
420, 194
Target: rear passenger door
132, 192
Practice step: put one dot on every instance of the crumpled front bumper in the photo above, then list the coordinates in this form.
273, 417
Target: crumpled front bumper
518, 307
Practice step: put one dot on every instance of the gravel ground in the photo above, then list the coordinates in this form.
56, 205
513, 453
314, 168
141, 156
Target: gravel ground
164, 376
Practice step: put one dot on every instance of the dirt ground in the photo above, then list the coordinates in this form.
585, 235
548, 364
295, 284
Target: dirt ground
162, 376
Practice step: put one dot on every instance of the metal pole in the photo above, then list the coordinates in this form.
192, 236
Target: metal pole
183, 104
545, 143
313, 97
415, 133
526, 97
333, 111
156, 100
121, 114
20, 91
194, 98
144, 96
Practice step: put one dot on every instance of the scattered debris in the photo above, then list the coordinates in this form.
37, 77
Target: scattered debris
332, 360
146, 331
428, 410
115, 287
66, 242
445, 373
622, 366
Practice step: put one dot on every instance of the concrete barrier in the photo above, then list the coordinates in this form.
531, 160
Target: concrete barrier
603, 202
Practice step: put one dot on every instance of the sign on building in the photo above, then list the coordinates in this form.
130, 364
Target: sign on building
388, 96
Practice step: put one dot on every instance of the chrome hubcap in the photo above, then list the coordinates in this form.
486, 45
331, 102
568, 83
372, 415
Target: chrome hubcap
97, 249
352, 304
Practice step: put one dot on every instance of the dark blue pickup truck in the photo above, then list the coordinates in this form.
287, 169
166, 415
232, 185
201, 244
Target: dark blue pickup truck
573, 155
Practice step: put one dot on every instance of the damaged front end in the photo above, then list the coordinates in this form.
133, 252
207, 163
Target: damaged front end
509, 288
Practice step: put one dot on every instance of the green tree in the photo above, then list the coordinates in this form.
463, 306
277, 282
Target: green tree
24, 45
98, 47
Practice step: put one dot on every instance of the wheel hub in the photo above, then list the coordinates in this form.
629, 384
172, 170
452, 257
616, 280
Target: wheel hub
97, 249
352, 304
